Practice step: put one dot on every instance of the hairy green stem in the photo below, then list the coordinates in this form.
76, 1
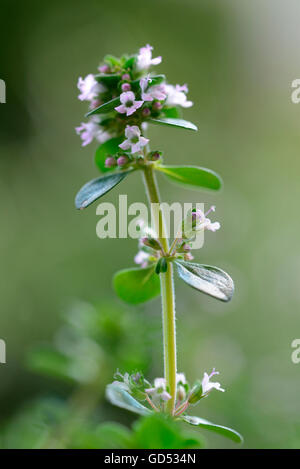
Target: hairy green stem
167, 292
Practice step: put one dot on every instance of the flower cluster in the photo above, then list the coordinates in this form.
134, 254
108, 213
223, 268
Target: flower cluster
151, 251
157, 394
131, 95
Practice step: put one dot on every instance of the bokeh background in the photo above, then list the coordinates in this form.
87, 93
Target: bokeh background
239, 59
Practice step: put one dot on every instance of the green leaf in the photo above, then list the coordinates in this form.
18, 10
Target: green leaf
201, 178
117, 395
129, 63
96, 188
174, 123
108, 435
225, 431
137, 285
172, 112
108, 79
106, 107
110, 147
207, 279
158, 431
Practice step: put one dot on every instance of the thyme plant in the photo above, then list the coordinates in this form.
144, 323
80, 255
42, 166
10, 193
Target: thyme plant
125, 97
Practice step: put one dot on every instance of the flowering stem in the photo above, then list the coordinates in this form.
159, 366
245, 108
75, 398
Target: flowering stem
167, 293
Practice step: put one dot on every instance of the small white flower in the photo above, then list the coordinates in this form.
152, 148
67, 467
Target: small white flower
180, 378
144, 58
207, 385
89, 88
128, 103
134, 140
176, 96
153, 92
159, 389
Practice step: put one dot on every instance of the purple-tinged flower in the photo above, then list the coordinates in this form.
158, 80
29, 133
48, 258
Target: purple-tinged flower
129, 104
110, 162
91, 130
204, 223
135, 142
89, 88
126, 87
144, 58
142, 259
122, 160
207, 385
176, 96
149, 93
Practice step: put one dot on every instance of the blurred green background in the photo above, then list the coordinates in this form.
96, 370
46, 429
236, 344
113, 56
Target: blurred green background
239, 59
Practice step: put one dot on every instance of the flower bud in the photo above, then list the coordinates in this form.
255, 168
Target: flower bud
122, 160
196, 393
188, 256
126, 87
126, 77
104, 69
151, 243
110, 162
181, 394
155, 156
157, 106
146, 112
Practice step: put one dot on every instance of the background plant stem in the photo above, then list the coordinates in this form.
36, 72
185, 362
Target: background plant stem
167, 293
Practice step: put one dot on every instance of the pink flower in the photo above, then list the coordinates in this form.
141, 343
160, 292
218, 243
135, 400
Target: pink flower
129, 104
144, 58
134, 140
90, 130
89, 88
154, 92
207, 385
176, 96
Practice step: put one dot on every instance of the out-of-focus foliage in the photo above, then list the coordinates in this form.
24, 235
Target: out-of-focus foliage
85, 350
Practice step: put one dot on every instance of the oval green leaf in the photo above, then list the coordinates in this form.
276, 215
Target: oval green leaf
96, 188
111, 147
137, 285
174, 123
207, 279
224, 431
117, 395
201, 178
